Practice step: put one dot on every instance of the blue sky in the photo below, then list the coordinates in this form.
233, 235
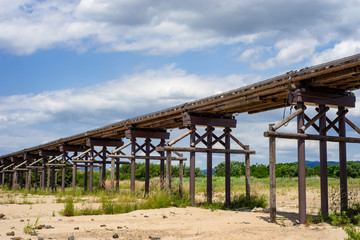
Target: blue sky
70, 66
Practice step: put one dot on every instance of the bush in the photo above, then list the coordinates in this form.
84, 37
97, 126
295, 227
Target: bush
69, 209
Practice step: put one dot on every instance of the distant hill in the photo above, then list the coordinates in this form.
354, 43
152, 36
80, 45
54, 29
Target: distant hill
311, 164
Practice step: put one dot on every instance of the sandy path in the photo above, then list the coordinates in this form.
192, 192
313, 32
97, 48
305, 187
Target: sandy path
169, 223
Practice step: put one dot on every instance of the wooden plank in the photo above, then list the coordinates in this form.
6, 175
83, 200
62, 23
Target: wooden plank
314, 119
181, 137
352, 125
194, 149
287, 119
189, 119
272, 175
311, 137
73, 148
159, 134
102, 142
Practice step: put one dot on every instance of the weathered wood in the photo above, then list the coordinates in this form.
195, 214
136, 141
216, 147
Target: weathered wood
168, 171
213, 150
342, 160
104, 142
181, 174
287, 119
82, 154
44, 153
335, 121
146, 157
181, 137
323, 165
112, 169
138, 133
73, 148
272, 175
189, 119
313, 125
311, 137
121, 148
91, 170
238, 142
192, 169
314, 119
352, 125
247, 172
209, 131
132, 165
227, 131
301, 167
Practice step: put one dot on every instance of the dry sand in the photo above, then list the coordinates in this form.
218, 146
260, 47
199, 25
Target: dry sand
168, 223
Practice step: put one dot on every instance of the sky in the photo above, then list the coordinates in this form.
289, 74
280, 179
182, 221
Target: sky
68, 66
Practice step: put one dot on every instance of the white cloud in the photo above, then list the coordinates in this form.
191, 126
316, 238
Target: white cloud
167, 27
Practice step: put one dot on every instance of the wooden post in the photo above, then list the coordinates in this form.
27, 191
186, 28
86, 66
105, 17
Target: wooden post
227, 131
100, 176
48, 178
36, 179
74, 176
272, 175
192, 168
301, 167
162, 166
112, 174
342, 161
29, 179
21, 183
209, 131
181, 173
132, 164
63, 172
86, 175
103, 168
3, 180
55, 182
91, 172
117, 173
147, 165
53, 179
15, 180
168, 171
43, 173
247, 172
323, 164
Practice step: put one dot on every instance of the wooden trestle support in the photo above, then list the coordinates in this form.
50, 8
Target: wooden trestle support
144, 144
324, 99
209, 139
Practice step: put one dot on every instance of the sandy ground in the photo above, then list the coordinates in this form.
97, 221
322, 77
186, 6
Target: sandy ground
168, 223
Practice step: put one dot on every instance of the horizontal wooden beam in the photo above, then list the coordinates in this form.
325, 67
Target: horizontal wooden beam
138, 133
311, 137
329, 99
190, 119
73, 148
28, 156
146, 157
194, 149
107, 142
44, 153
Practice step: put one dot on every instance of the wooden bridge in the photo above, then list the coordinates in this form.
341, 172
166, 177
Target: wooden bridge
328, 85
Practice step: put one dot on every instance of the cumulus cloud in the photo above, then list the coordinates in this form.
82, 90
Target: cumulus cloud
168, 27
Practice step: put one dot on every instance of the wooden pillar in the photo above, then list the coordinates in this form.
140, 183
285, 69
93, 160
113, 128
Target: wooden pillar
181, 173
10, 179
112, 174
15, 179
117, 173
3, 180
209, 131
192, 168
74, 176
48, 178
43, 173
227, 130
132, 165
21, 182
103, 175
247, 171
100, 176
63, 171
342, 161
168, 171
91, 172
53, 179
55, 182
86, 175
272, 175
323, 165
147, 165
162, 166
36, 179
29, 179
301, 167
